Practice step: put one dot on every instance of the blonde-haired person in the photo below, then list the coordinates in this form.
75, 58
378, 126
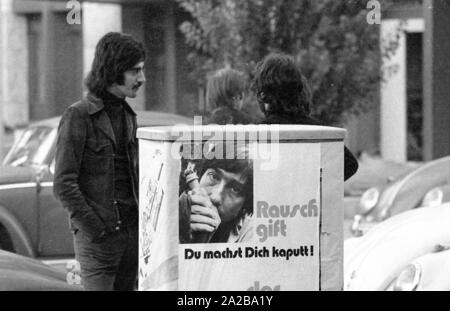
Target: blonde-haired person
225, 95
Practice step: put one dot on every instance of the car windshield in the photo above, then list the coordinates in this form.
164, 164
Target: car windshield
32, 147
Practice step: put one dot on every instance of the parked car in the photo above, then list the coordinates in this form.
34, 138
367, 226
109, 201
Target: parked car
373, 171
405, 193
20, 273
32, 222
408, 251
426, 273
376, 171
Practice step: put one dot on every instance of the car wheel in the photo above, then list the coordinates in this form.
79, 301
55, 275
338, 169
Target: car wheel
5, 240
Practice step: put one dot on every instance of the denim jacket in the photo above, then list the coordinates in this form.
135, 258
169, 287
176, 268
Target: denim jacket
84, 172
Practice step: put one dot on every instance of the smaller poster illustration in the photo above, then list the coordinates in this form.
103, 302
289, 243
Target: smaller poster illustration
150, 210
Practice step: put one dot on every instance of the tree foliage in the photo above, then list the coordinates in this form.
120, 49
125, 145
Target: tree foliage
336, 47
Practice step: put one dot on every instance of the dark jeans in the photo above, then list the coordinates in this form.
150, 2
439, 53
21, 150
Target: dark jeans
111, 263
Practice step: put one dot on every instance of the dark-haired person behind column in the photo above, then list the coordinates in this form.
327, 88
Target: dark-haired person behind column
225, 94
96, 175
284, 96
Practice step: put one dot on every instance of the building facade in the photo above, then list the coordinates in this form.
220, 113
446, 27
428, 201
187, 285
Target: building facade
46, 56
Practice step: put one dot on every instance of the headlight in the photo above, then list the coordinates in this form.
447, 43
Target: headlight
433, 197
409, 278
368, 200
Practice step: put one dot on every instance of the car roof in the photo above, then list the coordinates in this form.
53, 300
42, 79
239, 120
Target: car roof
144, 118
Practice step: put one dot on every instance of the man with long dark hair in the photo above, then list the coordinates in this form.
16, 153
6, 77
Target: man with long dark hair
96, 175
284, 96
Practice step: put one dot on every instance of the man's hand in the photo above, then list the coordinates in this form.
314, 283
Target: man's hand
204, 215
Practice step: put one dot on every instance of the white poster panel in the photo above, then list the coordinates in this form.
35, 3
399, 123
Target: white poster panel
276, 246
158, 232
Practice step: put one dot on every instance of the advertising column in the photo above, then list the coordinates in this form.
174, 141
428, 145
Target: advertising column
242, 215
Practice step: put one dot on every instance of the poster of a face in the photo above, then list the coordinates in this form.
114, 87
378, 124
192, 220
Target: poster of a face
216, 197
270, 241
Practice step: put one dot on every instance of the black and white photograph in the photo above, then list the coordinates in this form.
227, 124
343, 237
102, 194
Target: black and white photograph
337, 109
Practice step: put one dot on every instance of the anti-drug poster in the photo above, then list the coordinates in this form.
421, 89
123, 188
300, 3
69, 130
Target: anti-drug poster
276, 246
240, 224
